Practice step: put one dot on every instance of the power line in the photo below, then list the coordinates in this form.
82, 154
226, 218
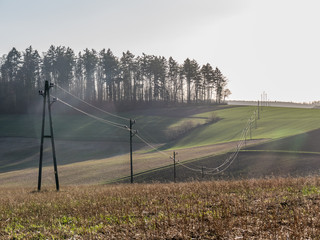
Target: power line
151, 146
95, 117
221, 171
99, 109
113, 124
192, 169
228, 161
238, 147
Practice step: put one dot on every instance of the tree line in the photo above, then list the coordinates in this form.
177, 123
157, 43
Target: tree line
101, 78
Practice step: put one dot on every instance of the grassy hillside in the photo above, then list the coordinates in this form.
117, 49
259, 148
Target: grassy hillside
152, 123
274, 123
100, 152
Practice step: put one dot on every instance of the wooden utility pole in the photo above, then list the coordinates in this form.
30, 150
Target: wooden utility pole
245, 137
174, 167
47, 103
202, 172
250, 128
255, 120
132, 133
258, 110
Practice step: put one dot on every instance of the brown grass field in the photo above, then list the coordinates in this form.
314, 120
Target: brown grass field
278, 208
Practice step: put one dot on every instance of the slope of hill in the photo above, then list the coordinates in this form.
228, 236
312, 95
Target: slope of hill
100, 153
297, 155
274, 123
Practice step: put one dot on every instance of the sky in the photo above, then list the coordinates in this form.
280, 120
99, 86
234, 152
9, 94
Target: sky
270, 46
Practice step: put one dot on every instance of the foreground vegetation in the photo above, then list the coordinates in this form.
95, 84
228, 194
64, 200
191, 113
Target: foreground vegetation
280, 208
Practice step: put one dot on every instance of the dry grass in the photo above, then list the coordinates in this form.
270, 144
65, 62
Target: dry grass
280, 208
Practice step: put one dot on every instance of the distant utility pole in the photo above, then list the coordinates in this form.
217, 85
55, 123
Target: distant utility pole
264, 99
251, 129
245, 135
202, 172
132, 133
46, 101
258, 109
255, 120
174, 166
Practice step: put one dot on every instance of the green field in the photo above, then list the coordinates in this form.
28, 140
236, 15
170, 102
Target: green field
274, 123
92, 152
152, 124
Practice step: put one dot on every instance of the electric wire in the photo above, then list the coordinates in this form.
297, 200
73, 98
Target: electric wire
228, 161
95, 117
151, 146
231, 159
165, 154
239, 145
192, 169
99, 109
212, 171
109, 122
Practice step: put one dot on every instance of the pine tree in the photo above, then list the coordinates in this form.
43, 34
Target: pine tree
90, 61
110, 72
79, 81
127, 67
208, 77
29, 75
9, 72
173, 74
220, 82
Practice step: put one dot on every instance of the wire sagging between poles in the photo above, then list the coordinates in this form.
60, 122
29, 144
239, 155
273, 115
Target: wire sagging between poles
229, 160
99, 109
95, 117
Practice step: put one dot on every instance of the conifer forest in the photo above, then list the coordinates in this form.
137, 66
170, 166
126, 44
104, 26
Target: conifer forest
101, 78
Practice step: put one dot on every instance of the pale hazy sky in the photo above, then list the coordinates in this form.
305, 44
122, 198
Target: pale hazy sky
259, 45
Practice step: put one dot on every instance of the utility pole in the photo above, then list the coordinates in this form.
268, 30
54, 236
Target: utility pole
267, 100
258, 110
245, 139
255, 120
174, 166
250, 128
132, 133
46, 101
202, 172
